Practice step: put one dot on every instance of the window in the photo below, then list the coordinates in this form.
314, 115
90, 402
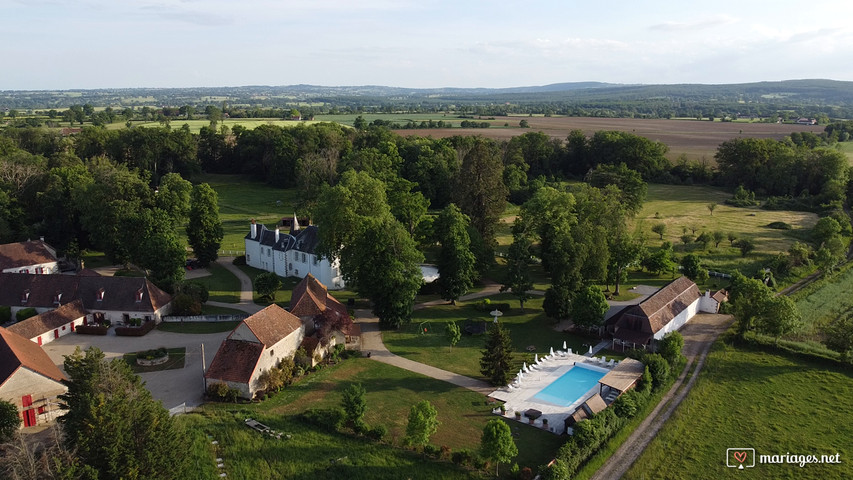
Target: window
248, 257
57, 298
25, 296
139, 294
316, 260
100, 295
303, 257
272, 353
39, 270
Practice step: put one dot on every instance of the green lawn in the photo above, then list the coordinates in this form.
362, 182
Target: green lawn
241, 199
282, 295
531, 328
390, 394
176, 361
197, 327
222, 285
751, 398
687, 206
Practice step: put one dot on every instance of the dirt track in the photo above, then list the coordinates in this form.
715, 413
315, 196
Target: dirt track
699, 334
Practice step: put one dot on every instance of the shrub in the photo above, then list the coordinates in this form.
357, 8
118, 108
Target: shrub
431, 450
526, 474
92, 329
5, 314
152, 354
779, 226
218, 390
445, 452
241, 260
626, 405
25, 313
462, 457
185, 304
330, 419
659, 368
378, 432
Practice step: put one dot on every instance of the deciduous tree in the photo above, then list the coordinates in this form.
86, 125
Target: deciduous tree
423, 423
354, 404
10, 420
453, 333
497, 444
455, 260
204, 230
518, 280
588, 307
267, 284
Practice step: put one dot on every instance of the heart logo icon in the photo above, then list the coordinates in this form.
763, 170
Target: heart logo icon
740, 456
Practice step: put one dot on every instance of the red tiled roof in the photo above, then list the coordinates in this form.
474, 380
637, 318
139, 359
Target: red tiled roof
17, 352
720, 296
21, 254
35, 326
310, 344
235, 361
308, 298
353, 330
272, 324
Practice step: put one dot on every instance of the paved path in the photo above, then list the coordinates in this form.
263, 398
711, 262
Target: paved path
699, 334
246, 303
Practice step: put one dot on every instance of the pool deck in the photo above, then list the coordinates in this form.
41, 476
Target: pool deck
521, 398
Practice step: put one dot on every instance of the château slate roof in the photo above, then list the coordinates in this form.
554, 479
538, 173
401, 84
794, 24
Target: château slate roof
22, 254
303, 240
48, 321
119, 293
18, 352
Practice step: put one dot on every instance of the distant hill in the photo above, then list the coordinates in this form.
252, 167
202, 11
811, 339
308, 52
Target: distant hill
815, 92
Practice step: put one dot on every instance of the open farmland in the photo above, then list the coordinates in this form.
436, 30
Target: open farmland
697, 139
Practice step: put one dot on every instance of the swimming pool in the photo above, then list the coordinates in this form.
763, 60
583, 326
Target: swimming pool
573, 384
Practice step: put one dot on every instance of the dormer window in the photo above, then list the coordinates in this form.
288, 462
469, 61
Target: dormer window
39, 270
139, 295
24, 271
100, 295
57, 298
25, 296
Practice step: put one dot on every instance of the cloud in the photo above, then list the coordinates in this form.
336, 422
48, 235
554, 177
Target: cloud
702, 24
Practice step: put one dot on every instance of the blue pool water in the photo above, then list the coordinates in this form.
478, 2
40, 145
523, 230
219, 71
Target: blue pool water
567, 389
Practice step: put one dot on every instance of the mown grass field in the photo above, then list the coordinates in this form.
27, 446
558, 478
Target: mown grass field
242, 199
390, 394
528, 328
679, 206
751, 398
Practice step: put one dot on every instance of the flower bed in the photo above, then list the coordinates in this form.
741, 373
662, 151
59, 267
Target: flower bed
150, 358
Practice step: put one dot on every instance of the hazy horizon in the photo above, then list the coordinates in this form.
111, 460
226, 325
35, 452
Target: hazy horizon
92, 44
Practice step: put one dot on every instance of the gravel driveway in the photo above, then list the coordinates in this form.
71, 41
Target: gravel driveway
172, 387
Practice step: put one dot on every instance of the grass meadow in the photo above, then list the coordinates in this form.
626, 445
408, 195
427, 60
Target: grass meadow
390, 394
530, 328
824, 301
221, 284
679, 206
753, 398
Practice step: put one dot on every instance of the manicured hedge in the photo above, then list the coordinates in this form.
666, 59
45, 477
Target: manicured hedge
136, 331
92, 329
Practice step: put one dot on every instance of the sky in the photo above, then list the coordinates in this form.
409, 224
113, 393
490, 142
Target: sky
84, 44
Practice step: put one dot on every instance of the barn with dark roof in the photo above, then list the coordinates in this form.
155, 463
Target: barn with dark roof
667, 310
